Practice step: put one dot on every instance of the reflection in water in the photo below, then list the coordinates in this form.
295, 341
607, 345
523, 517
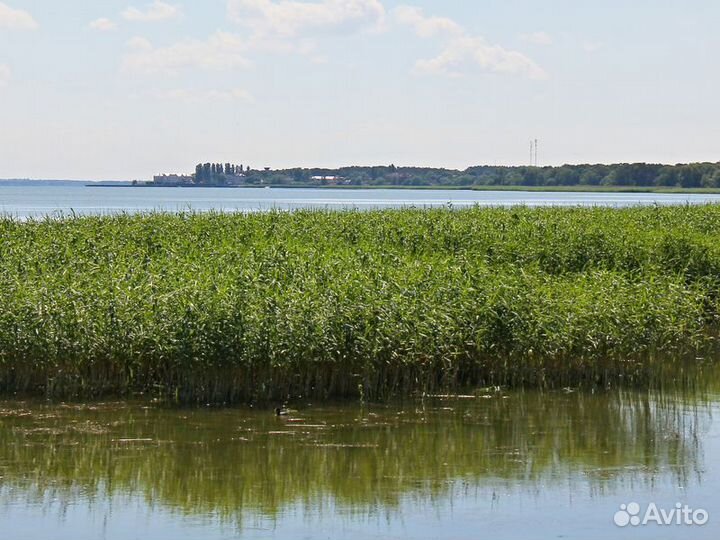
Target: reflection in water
229, 464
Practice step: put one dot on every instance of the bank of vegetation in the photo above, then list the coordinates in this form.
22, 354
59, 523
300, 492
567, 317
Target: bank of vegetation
690, 176
218, 307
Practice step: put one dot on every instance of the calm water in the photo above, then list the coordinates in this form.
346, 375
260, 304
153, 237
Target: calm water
42, 200
503, 465
498, 465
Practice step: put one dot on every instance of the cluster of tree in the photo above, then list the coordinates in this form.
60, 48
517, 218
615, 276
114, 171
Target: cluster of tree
216, 173
694, 175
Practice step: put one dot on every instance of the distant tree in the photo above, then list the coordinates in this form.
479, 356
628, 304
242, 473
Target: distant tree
514, 178
590, 177
465, 180
712, 178
690, 176
626, 174
300, 176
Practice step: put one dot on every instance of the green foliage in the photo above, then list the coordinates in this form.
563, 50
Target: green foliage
237, 307
641, 175
216, 173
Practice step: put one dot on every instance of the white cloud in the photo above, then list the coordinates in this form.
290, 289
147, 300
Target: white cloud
221, 50
289, 18
470, 51
426, 26
201, 96
538, 38
5, 75
286, 26
16, 19
157, 11
462, 50
290, 26
102, 25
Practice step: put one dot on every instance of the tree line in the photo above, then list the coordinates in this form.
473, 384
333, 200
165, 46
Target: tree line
693, 175
216, 172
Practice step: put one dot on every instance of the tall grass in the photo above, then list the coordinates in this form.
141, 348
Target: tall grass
237, 307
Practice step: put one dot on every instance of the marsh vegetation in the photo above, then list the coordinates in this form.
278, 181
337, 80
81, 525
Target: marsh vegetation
232, 307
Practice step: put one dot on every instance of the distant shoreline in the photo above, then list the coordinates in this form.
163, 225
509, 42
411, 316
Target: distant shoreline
499, 188
548, 189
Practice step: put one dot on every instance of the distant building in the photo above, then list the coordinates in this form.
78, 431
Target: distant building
173, 180
235, 179
334, 179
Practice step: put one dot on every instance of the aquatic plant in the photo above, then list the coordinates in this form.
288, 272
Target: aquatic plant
234, 307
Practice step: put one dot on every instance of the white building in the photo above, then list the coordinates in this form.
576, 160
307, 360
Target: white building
326, 178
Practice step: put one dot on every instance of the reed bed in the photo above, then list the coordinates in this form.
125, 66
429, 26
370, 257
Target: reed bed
233, 307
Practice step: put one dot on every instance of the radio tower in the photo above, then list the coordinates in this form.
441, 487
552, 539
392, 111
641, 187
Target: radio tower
536, 152
532, 150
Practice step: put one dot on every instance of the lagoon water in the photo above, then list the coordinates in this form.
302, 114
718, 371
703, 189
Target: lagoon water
34, 200
490, 464
494, 464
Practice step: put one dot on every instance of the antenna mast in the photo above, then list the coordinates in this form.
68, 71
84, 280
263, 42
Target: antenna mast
532, 153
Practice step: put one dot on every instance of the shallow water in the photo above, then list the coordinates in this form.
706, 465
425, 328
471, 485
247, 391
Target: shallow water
40, 200
494, 463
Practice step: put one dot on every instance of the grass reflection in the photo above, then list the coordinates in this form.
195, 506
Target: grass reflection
233, 461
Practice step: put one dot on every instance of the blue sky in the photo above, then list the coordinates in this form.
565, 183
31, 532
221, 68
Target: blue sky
120, 89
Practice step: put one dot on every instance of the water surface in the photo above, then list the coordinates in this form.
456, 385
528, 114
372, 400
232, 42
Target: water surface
41, 200
494, 463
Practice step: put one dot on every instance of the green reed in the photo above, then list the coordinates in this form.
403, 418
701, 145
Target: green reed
228, 307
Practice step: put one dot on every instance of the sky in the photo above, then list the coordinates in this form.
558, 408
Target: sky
124, 89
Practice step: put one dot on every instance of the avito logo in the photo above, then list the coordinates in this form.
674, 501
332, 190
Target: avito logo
632, 514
